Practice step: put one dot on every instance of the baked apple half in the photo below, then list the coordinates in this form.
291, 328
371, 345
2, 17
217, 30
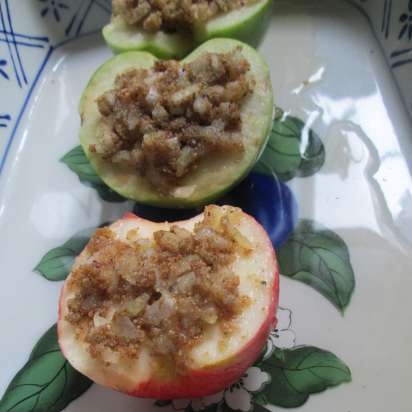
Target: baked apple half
170, 310
171, 28
177, 134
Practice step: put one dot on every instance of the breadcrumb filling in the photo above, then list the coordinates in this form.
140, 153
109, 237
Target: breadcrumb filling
169, 15
162, 294
163, 121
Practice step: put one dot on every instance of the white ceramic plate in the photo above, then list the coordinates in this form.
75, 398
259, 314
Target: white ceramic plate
342, 211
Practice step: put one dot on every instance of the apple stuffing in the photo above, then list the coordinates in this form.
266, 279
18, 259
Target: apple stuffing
170, 310
164, 120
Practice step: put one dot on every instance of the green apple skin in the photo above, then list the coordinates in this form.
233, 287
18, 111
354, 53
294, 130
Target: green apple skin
247, 24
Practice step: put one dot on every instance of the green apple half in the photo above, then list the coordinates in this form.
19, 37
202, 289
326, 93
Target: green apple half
214, 175
247, 24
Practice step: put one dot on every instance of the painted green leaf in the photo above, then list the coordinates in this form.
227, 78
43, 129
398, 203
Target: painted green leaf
319, 257
77, 161
299, 372
293, 149
46, 383
56, 264
258, 407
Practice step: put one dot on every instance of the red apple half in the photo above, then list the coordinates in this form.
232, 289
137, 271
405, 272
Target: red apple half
213, 366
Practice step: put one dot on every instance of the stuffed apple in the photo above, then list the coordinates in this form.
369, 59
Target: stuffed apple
170, 310
177, 134
170, 29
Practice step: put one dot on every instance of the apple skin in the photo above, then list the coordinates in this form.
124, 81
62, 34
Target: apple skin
207, 380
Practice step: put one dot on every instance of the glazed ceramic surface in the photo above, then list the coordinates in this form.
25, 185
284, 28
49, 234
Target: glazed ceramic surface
333, 189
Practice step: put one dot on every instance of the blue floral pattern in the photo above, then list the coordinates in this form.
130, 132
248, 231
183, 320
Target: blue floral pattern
3, 73
4, 119
386, 18
6, 28
392, 23
406, 23
55, 8
81, 13
71, 17
267, 199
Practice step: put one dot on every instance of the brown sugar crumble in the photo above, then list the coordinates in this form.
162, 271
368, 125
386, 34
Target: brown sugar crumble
162, 293
169, 15
162, 121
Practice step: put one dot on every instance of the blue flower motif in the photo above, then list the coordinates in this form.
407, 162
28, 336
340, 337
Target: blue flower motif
3, 73
267, 199
406, 20
4, 118
54, 6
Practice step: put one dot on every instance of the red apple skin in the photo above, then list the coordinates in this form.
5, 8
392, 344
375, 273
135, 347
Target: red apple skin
209, 380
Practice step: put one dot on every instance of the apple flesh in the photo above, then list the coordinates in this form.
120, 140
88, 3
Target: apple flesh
217, 360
